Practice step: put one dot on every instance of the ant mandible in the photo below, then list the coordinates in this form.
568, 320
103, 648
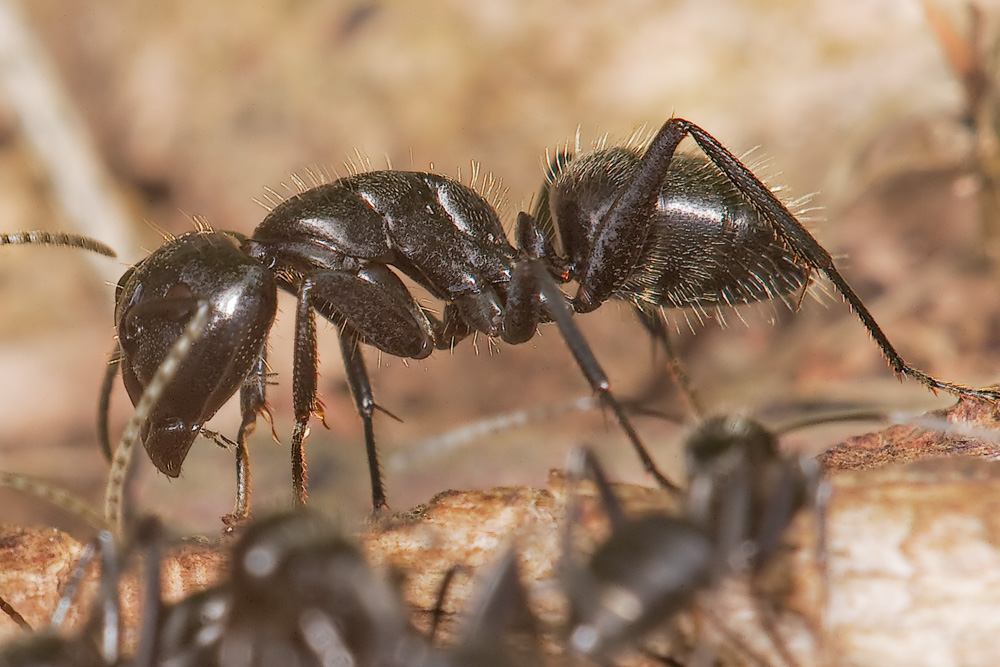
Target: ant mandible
652, 227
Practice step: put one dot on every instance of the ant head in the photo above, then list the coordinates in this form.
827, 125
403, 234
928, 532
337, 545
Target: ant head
719, 440
156, 300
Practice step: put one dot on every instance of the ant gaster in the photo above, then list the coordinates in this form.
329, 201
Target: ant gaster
647, 226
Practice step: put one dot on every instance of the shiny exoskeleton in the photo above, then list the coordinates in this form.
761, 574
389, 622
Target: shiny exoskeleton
644, 225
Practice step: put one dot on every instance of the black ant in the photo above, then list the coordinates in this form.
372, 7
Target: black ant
743, 495
649, 227
298, 594
301, 594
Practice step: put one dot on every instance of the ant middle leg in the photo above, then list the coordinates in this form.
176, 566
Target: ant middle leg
364, 400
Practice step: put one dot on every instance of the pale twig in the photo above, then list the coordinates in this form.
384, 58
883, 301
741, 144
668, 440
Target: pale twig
54, 128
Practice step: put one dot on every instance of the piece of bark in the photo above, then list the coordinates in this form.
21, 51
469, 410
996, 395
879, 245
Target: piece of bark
912, 575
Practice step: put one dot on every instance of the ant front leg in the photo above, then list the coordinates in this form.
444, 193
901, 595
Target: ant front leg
531, 279
104, 402
304, 400
371, 305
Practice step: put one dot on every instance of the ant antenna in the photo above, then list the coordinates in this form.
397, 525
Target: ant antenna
122, 459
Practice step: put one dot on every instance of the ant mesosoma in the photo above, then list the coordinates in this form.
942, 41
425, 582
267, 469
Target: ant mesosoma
651, 227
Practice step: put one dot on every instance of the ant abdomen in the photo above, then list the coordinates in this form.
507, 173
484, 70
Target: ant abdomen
156, 299
707, 245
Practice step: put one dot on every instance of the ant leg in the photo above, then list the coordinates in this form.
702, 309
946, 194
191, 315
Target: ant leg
304, 398
799, 240
150, 535
370, 305
361, 390
109, 602
583, 462
656, 325
104, 402
523, 311
14, 615
555, 304
501, 606
253, 400
438, 613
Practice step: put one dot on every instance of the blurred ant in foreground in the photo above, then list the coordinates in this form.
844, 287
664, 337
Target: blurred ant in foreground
743, 494
642, 224
298, 594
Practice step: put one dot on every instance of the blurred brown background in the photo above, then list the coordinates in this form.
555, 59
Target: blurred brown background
196, 107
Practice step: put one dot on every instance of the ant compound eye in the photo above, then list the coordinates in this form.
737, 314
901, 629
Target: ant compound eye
179, 302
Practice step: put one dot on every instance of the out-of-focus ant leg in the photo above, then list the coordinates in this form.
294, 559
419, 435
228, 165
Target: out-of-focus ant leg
655, 323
